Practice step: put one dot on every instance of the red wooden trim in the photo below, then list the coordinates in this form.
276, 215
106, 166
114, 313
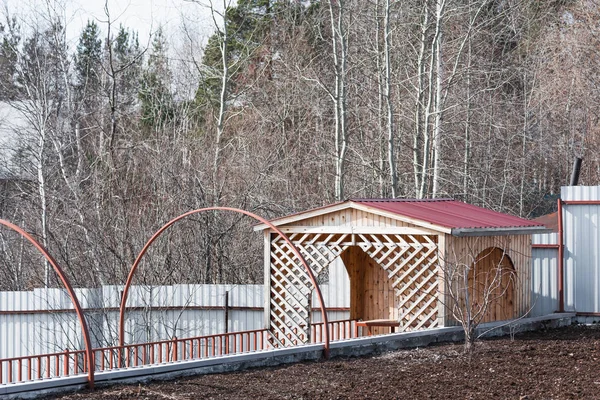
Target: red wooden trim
545, 246
392, 324
561, 248
581, 202
379, 322
157, 308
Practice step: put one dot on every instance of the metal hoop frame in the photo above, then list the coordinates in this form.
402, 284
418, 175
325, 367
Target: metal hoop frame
78, 310
239, 211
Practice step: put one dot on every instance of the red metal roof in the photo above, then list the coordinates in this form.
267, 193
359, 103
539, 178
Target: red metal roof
550, 221
461, 219
449, 213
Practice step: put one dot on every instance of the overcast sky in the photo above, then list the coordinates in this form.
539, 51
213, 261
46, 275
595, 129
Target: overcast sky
144, 16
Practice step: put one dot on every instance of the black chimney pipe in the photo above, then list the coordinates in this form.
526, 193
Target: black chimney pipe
576, 171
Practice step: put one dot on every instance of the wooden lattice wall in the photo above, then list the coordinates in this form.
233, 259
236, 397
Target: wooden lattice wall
410, 262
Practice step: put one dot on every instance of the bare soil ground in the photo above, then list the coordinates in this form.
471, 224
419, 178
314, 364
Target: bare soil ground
554, 364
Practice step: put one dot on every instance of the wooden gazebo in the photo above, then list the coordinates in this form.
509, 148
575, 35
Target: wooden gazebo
400, 255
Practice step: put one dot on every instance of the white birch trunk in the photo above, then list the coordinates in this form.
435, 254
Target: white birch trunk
380, 85
41, 181
418, 132
388, 101
339, 40
439, 106
224, 93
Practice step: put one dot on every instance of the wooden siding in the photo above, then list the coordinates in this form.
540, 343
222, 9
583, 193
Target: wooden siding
352, 217
371, 292
492, 276
518, 247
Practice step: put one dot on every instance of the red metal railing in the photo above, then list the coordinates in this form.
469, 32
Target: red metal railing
69, 363
44, 366
338, 330
134, 355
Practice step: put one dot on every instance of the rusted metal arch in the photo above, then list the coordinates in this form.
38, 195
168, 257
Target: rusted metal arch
78, 310
239, 211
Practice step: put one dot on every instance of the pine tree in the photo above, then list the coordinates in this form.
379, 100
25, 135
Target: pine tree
155, 95
88, 58
248, 26
10, 39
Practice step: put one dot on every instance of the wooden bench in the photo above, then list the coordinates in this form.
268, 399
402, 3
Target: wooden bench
392, 324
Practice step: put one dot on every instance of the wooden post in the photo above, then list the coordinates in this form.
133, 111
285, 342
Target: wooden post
267, 279
174, 348
227, 311
443, 297
309, 321
65, 363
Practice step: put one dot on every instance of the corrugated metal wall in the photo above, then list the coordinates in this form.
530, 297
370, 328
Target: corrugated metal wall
582, 246
581, 238
37, 332
40, 321
544, 284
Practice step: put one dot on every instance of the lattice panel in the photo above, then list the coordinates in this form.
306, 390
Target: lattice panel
320, 250
410, 261
290, 293
290, 308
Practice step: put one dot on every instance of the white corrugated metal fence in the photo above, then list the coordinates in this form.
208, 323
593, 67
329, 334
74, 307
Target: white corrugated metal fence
43, 321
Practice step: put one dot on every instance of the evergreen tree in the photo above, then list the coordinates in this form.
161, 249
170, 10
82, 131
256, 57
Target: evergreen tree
10, 40
127, 64
248, 24
88, 58
155, 95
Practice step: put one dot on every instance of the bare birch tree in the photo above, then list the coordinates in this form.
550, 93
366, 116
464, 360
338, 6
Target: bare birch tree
473, 285
339, 42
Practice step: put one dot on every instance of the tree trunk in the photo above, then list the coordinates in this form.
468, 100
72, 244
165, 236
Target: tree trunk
223, 97
388, 101
439, 106
418, 167
339, 40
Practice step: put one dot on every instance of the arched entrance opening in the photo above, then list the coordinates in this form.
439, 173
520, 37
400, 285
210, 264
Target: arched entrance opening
492, 285
371, 289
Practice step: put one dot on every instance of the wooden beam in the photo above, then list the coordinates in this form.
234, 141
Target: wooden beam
267, 278
373, 230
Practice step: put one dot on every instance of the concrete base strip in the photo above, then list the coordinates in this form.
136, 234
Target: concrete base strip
346, 348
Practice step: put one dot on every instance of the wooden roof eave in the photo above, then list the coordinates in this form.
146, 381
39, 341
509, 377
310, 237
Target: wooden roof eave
500, 231
289, 219
350, 204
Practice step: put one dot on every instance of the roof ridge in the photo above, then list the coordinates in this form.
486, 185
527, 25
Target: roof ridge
385, 200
